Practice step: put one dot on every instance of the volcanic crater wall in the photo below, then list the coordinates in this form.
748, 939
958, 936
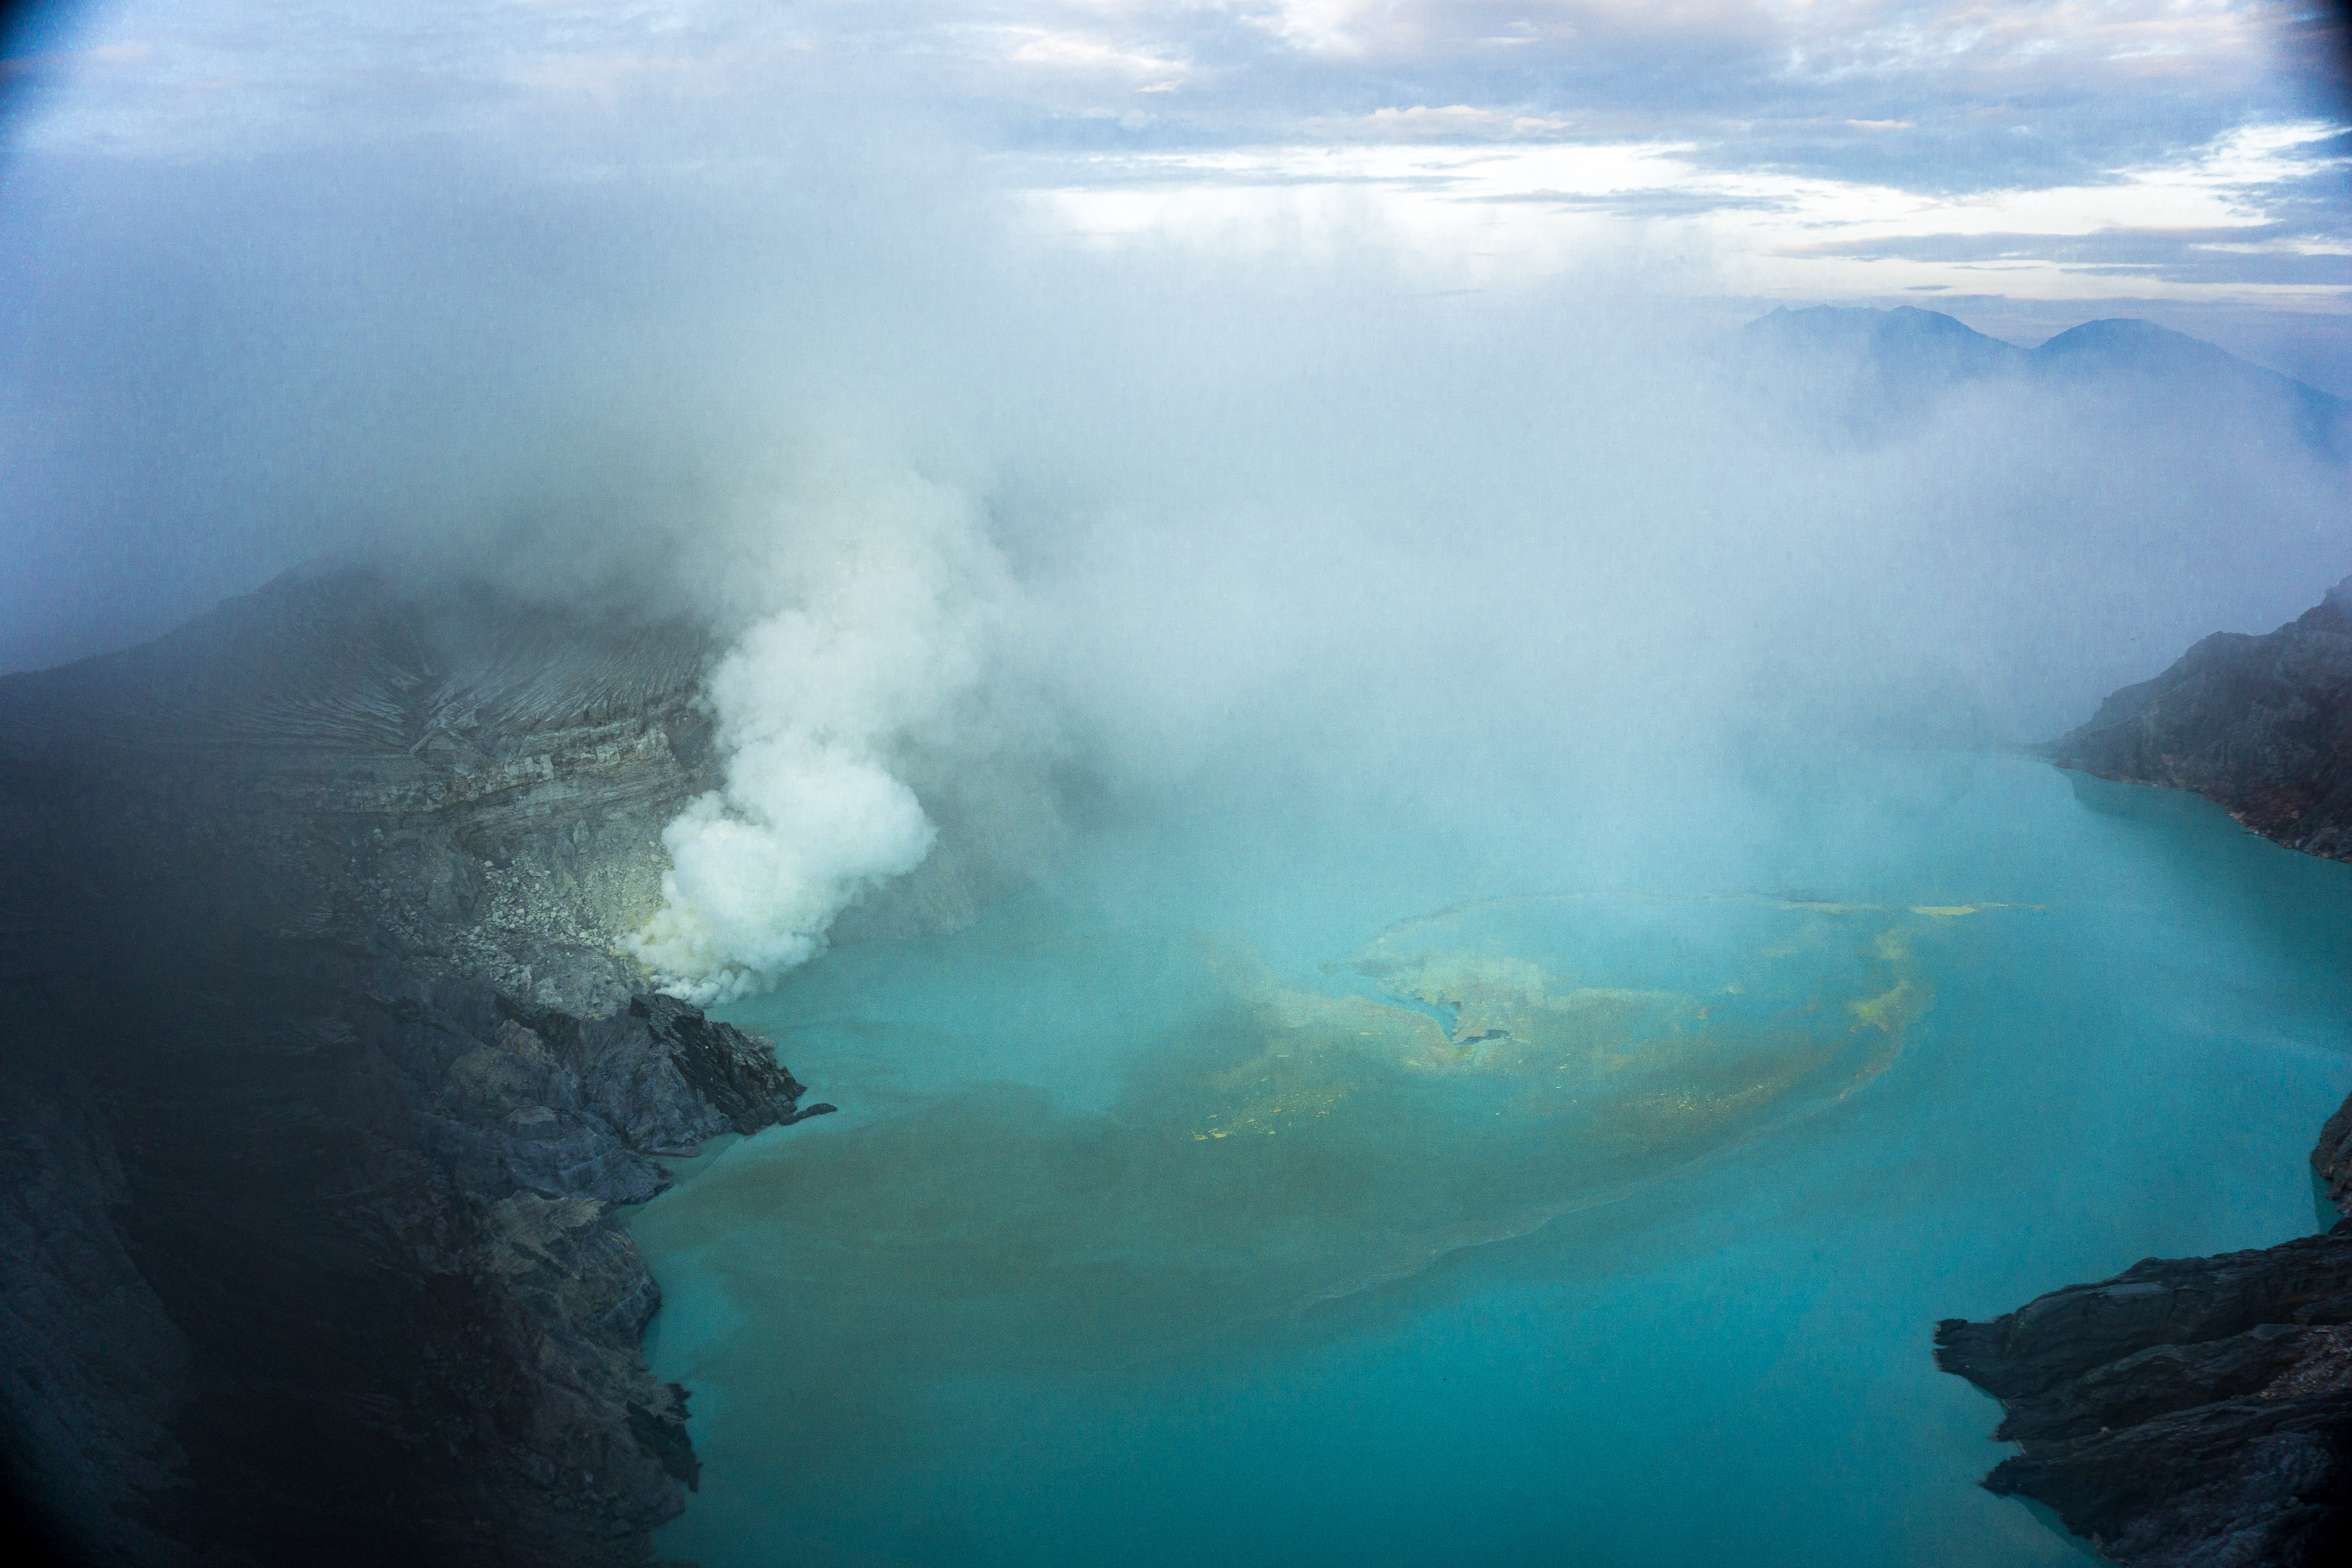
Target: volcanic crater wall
2261, 725
2198, 1411
324, 1071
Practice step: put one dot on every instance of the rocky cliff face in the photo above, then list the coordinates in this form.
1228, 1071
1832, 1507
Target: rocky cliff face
2198, 1411
2261, 725
2189, 1411
321, 1072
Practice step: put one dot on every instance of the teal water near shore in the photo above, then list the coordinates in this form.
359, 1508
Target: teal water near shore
1268, 1192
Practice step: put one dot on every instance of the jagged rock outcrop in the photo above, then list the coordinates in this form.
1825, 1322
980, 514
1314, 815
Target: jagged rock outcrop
2198, 1411
575, 1105
2260, 725
321, 1071
2188, 1411
2332, 1157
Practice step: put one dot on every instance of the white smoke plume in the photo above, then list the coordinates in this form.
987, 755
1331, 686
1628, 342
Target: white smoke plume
890, 605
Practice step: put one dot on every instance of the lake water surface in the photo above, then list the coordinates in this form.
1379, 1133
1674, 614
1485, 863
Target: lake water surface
1269, 1191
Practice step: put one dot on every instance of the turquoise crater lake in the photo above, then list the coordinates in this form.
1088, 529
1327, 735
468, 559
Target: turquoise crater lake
1271, 1192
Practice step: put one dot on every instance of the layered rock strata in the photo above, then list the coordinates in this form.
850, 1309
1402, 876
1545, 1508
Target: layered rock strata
323, 1072
2188, 1411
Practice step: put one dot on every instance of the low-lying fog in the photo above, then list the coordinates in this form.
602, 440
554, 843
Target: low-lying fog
1011, 523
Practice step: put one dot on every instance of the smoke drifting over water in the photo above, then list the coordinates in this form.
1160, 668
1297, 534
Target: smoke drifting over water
1382, 593
891, 599
1244, 636
1114, 519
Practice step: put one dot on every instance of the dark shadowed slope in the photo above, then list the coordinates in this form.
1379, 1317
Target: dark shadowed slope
322, 1075
2261, 725
2193, 1411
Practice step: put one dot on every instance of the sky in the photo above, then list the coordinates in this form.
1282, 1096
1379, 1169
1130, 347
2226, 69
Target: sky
269, 264
2019, 159
1324, 388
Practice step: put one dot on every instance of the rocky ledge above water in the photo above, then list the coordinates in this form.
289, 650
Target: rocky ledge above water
322, 1074
2260, 725
2197, 1413
2186, 1412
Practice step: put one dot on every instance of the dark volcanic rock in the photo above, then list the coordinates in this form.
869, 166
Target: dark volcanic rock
2198, 1411
663, 1074
2188, 1411
2261, 725
321, 1072
2068, 1334
2332, 1157
95, 1367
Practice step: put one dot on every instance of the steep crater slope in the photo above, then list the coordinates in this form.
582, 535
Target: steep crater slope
321, 1072
2198, 1411
2261, 725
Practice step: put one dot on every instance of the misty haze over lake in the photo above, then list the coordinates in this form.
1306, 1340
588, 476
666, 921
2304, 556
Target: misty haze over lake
1361, 680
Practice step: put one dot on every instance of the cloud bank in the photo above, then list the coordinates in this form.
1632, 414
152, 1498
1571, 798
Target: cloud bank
1043, 471
1794, 141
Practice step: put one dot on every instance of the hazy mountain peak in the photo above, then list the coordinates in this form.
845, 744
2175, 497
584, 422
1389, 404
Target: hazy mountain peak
2144, 351
1875, 373
1903, 326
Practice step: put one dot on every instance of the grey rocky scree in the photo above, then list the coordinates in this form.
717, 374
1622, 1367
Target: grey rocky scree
322, 1070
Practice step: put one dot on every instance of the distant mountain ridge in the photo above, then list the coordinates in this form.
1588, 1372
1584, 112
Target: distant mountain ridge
1877, 372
